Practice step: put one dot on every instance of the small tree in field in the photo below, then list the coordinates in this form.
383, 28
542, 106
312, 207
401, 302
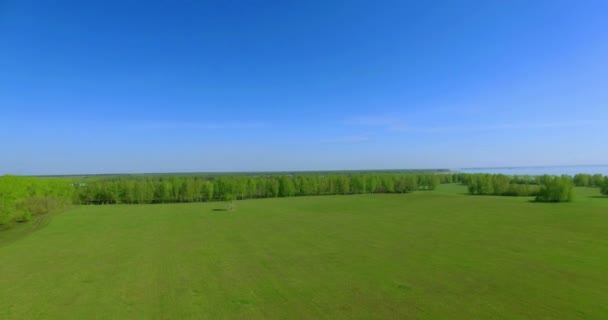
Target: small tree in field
230, 199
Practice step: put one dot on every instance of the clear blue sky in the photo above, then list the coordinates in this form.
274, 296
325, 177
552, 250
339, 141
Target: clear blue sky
145, 86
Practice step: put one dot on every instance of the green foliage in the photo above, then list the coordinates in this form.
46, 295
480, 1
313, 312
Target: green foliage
167, 189
587, 180
556, 189
428, 181
286, 187
406, 183
524, 179
597, 180
21, 198
604, 186
547, 188
582, 180
518, 190
500, 185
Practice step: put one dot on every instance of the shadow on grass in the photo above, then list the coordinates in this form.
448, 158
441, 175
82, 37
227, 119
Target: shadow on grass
547, 202
551, 202
219, 209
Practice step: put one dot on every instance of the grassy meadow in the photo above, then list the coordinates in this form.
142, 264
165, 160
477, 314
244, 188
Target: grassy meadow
438, 254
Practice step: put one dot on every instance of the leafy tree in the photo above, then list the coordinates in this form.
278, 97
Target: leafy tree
286, 187
206, 191
164, 190
272, 188
342, 184
405, 183
604, 186
372, 183
229, 198
431, 181
582, 180
596, 180
556, 189
500, 184
387, 184
358, 184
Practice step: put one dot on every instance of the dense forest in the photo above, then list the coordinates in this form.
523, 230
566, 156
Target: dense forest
152, 189
24, 197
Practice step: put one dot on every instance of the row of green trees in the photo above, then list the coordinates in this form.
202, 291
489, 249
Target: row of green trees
587, 180
154, 189
546, 188
164, 189
579, 180
24, 197
499, 184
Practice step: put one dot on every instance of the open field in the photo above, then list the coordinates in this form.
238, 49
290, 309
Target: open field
425, 255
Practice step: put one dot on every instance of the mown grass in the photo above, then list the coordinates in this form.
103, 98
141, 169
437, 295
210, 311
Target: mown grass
426, 255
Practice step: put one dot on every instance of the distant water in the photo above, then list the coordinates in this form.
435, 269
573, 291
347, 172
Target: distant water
559, 170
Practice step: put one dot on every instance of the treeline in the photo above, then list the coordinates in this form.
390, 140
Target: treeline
24, 197
545, 188
587, 180
501, 185
153, 189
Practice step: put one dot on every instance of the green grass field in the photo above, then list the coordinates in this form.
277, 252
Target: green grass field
426, 255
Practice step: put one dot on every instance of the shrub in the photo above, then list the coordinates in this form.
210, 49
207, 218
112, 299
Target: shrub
556, 189
604, 186
582, 180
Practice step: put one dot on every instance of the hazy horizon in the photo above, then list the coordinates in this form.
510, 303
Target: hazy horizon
509, 170
90, 87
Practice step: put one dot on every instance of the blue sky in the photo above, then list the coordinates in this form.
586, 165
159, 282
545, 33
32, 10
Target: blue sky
134, 86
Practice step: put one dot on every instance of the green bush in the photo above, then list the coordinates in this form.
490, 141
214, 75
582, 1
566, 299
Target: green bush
582, 180
597, 180
604, 186
556, 189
